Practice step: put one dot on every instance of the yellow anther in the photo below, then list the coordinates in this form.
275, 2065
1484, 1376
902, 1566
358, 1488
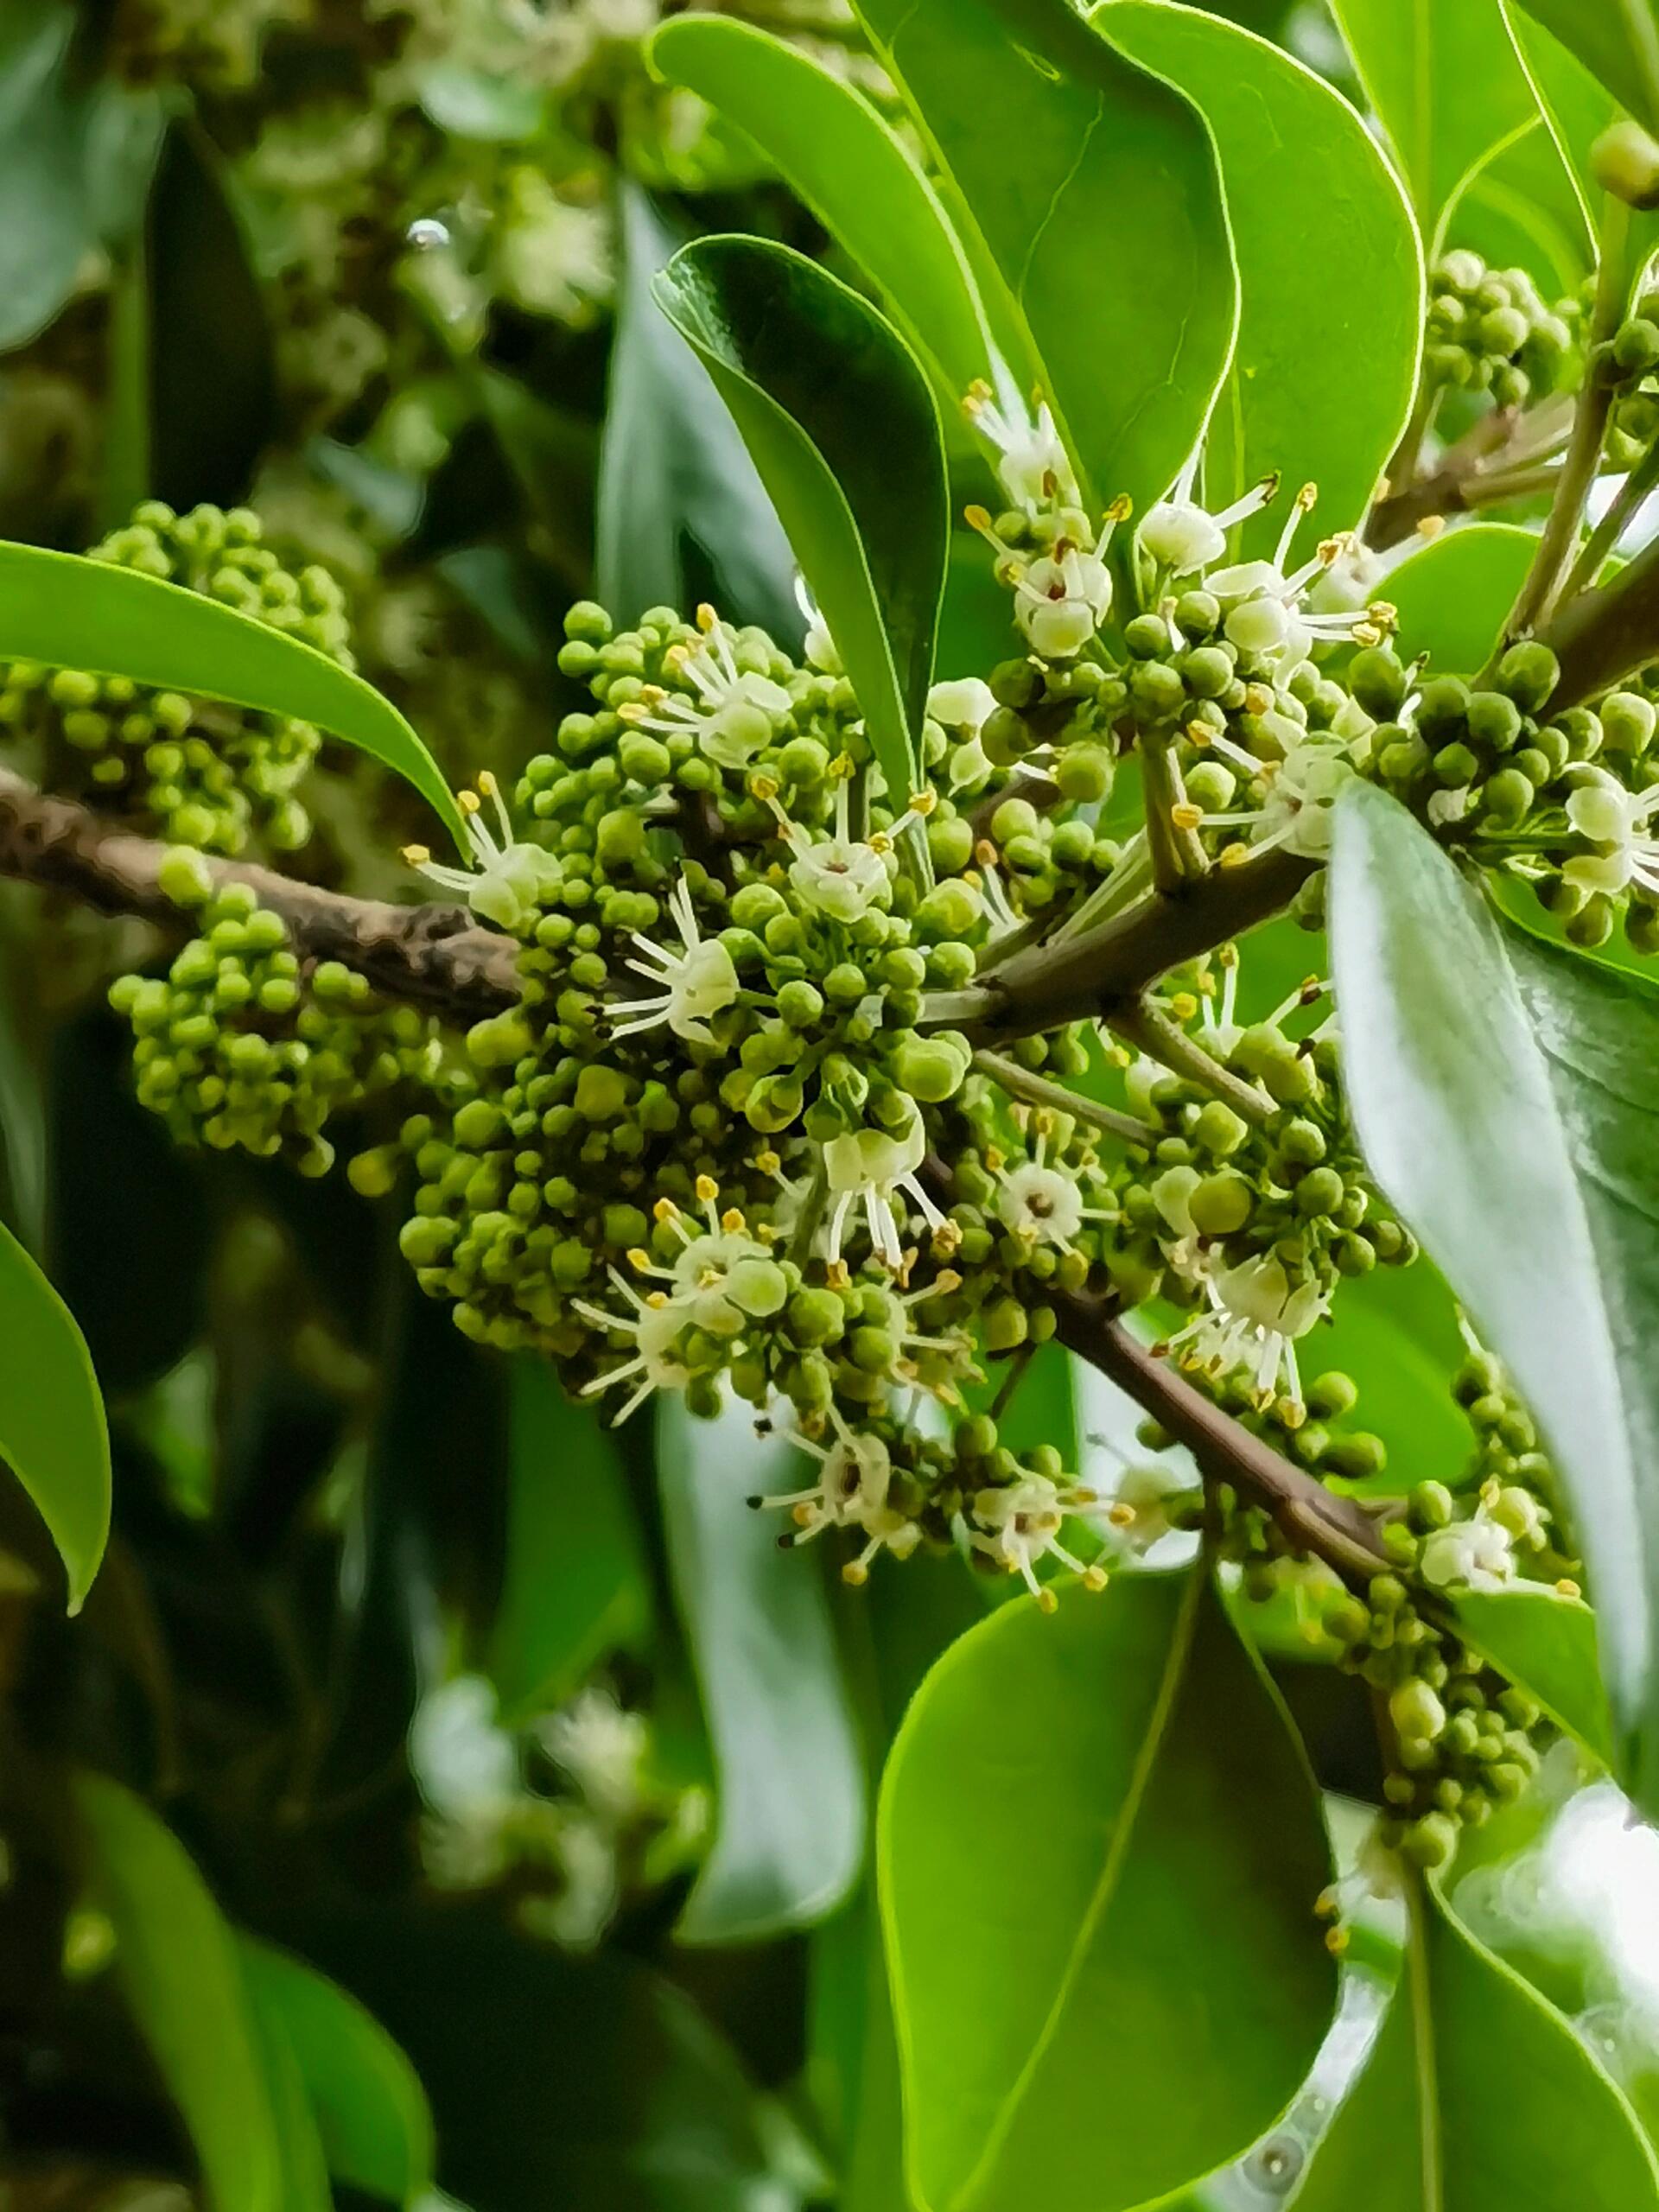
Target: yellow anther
844, 764
802, 1516
924, 804
1094, 1578
1292, 1413
665, 1209
881, 842
467, 802
658, 1299
993, 1158
1258, 699
855, 1574
1431, 526
1185, 816
1121, 509
487, 783
1567, 1587
1326, 1905
1121, 1516
632, 711
1232, 856
1183, 1006
417, 855
1046, 1601
836, 1276
768, 1162
1308, 498
764, 788
733, 1222
945, 1282
708, 620
707, 1189
1200, 734
986, 853
640, 1259
1337, 1941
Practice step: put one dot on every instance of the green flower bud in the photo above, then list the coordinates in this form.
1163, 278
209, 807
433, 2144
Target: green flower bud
1221, 1204
1507, 797
1528, 674
1494, 721
1378, 682
1627, 721
1319, 1193
1624, 161
1219, 1130
602, 1093
1417, 1713
1431, 1842
1005, 1325
1084, 773
800, 1004
1147, 637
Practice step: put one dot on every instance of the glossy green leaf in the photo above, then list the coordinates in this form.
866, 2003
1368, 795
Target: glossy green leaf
1546, 1643
305, 2168
1454, 595
1478, 2095
52, 1432
790, 1812
842, 426
365, 2100
1505, 1098
1069, 157
1617, 41
564, 1603
1443, 79
1286, 140
182, 1975
74, 159
851, 167
682, 515
1520, 208
1099, 1851
73, 613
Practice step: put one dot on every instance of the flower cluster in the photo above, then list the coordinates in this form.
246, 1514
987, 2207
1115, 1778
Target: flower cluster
1490, 330
203, 774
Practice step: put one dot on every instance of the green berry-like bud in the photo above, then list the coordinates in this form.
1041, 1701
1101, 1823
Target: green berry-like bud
1431, 1842
1624, 161
1083, 774
1627, 721
1005, 1325
1417, 1713
1378, 682
1431, 1507
1219, 1130
1147, 637
800, 1004
1508, 796
1528, 674
602, 1093
1443, 709
1494, 721
816, 1317
929, 1070
1221, 1204
1319, 1193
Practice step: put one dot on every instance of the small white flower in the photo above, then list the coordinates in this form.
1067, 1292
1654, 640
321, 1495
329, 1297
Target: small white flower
465, 1764
1298, 806
507, 882
840, 876
871, 1166
1615, 819
1140, 1512
601, 1746
1255, 1322
732, 713
656, 1324
1062, 597
964, 705
1039, 1205
1031, 463
1182, 537
691, 984
819, 649
851, 1492
1271, 616
1020, 1524
1478, 1554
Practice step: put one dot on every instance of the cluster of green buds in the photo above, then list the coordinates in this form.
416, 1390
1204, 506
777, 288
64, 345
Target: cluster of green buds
241, 1045
201, 773
1629, 363
1490, 330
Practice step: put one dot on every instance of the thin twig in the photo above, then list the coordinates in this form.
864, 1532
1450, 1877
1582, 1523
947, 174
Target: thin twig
434, 955
1037, 1091
1312, 1518
1621, 512
1162, 1039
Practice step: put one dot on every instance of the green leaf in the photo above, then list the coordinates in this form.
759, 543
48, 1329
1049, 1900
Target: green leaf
1071, 158
1520, 208
852, 169
682, 515
472, 104
1478, 2095
1617, 41
564, 1603
555, 457
70, 612
305, 2169
789, 1833
1454, 595
52, 1432
1444, 79
369, 2109
1100, 1851
1546, 1644
1505, 1100
179, 1966
841, 424
1286, 140
74, 159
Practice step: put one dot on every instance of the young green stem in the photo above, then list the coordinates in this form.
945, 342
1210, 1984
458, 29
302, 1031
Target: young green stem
1178, 857
1152, 1032
1577, 473
1037, 1091
1604, 539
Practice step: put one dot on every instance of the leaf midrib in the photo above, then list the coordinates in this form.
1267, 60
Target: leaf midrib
1424, 2056
1169, 1687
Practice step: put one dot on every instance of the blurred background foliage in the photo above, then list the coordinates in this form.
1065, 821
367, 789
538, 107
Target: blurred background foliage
413, 1697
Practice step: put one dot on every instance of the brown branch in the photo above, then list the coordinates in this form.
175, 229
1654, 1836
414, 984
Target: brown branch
1494, 446
1101, 972
1602, 635
1309, 1517
435, 954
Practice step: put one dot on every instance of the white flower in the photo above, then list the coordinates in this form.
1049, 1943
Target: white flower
655, 1323
1039, 1205
466, 1764
1062, 597
1031, 463
1255, 1322
1270, 616
840, 876
1140, 1513
1478, 1554
732, 713
601, 1747
820, 648
1181, 536
1299, 807
964, 705
1614, 819
870, 1166
691, 984
851, 1492
507, 883
1020, 1524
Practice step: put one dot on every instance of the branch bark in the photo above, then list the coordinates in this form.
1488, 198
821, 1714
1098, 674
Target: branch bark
434, 955
1603, 635
1309, 1517
1102, 971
